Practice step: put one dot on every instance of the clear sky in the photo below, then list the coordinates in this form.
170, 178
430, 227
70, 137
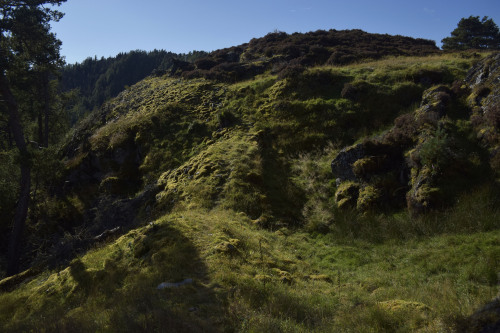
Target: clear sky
107, 27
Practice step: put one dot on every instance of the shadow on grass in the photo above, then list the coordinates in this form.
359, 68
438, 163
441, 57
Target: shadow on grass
116, 288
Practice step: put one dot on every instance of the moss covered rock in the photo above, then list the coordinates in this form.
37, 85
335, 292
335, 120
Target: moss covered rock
369, 198
424, 194
434, 105
368, 165
347, 195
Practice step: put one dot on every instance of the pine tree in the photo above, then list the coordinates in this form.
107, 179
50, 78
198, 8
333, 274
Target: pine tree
26, 48
473, 33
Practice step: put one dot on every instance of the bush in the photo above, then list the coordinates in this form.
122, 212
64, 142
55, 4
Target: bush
205, 63
435, 151
292, 71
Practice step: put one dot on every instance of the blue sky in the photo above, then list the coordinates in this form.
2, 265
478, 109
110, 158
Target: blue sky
107, 27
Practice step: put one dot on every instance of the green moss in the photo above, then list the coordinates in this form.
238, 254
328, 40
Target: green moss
369, 197
367, 165
347, 195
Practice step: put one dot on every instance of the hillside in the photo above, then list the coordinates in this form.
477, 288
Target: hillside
97, 80
282, 53
304, 195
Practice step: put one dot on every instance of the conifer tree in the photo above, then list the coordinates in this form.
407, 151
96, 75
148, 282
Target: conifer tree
473, 33
26, 47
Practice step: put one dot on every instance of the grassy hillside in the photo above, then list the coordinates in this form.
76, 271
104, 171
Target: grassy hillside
231, 218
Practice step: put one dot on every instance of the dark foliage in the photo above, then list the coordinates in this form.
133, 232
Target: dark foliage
292, 71
278, 50
473, 33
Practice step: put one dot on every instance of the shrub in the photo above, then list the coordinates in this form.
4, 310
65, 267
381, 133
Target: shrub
292, 71
435, 151
404, 131
205, 63
355, 90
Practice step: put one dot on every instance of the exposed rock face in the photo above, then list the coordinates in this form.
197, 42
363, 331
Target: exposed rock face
485, 71
342, 165
484, 101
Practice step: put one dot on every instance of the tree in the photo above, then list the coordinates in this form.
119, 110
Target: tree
472, 33
27, 47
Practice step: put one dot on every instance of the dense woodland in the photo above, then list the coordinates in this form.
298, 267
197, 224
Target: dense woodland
306, 182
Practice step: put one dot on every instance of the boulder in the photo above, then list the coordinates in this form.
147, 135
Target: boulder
342, 165
435, 102
485, 320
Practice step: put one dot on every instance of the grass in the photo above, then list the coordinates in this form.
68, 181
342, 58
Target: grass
265, 281
246, 212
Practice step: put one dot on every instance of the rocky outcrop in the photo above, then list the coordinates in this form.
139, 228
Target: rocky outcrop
425, 160
368, 175
484, 71
433, 106
484, 101
342, 165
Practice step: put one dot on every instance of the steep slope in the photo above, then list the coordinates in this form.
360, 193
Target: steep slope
202, 205
98, 80
448, 145
169, 143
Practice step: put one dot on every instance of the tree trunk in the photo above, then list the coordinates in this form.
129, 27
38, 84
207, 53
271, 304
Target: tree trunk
46, 107
40, 124
24, 194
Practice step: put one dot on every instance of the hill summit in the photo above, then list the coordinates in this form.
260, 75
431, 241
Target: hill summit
280, 52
